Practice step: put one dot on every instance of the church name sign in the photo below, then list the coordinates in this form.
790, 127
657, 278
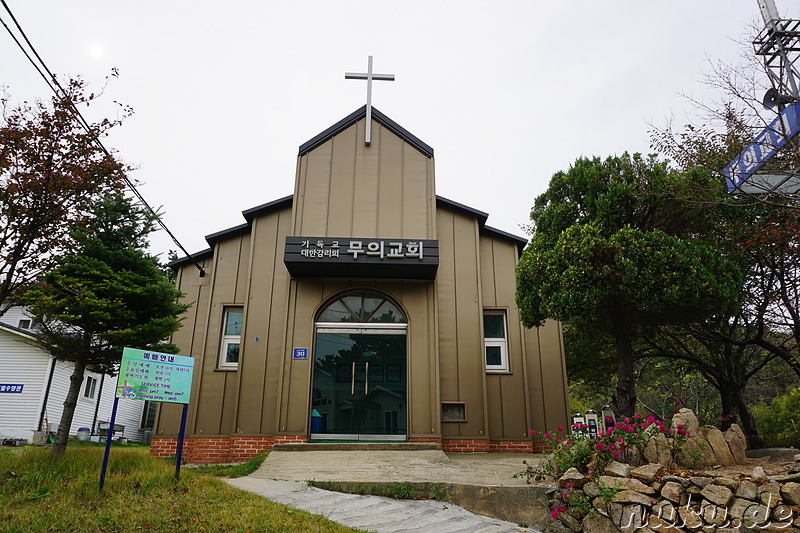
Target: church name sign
361, 257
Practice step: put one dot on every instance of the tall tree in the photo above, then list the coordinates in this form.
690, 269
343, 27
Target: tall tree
49, 167
105, 293
610, 249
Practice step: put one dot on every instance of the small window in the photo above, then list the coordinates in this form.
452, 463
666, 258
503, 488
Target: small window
149, 415
231, 337
495, 343
25, 324
89, 387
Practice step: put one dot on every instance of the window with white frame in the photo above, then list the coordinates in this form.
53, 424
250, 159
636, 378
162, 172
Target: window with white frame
149, 415
90, 384
495, 340
231, 337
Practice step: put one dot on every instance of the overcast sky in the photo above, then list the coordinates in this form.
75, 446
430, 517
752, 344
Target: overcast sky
506, 92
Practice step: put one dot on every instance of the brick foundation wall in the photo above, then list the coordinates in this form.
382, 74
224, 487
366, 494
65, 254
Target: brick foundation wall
511, 446
465, 445
209, 450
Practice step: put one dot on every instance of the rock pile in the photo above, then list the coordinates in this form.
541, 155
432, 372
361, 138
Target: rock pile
648, 500
703, 447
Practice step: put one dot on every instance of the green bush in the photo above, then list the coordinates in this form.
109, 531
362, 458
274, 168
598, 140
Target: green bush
779, 421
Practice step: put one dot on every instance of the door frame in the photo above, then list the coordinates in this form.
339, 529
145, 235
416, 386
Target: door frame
360, 328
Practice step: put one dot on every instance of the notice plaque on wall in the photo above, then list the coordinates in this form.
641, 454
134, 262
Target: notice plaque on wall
361, 257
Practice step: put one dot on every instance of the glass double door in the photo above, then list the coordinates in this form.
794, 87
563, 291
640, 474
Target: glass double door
359, 384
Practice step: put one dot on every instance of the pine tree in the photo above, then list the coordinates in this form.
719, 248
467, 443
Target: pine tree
106, 292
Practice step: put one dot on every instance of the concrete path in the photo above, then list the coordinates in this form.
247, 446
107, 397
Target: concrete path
376, 513
485, 469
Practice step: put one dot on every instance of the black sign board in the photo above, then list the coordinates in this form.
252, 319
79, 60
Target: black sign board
346, 257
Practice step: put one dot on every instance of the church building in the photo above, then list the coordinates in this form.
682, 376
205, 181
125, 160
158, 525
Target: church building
363, 307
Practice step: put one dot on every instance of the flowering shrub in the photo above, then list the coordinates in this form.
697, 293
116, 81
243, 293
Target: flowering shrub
621, 441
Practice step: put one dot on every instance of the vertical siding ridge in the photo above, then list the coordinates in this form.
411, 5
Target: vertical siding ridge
245, 313
192, 422
479, 291
276, 261
330, 185
378, 184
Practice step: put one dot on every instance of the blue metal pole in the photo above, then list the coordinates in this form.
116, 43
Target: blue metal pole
109, 435
179, 451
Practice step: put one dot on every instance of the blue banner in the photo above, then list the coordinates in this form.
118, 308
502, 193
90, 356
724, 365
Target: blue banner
764, 146
10, 388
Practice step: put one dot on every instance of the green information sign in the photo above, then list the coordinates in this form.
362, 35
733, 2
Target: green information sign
154, 376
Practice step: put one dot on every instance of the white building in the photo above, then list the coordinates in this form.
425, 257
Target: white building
33, 387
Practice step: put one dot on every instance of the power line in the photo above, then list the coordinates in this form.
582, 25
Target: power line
59, 91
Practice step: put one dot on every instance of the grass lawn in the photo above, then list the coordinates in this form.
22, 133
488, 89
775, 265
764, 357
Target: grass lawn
41, 493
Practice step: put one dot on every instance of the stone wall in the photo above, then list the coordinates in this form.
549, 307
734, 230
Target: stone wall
649, 499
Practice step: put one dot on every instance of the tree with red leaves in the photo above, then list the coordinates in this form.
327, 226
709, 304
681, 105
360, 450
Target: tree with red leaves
51, 169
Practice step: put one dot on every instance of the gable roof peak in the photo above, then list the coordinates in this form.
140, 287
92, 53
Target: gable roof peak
357, 115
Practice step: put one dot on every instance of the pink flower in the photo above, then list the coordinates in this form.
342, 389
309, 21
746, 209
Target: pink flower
599, 446
560, 428
554, 513
531, 432
569, 485
547, 435
568, 442
676, 400
676, 411
681, 426
637, 416
619, 439
616, 455
561, 509
626, 420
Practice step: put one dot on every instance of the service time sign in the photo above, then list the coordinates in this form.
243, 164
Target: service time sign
154, 376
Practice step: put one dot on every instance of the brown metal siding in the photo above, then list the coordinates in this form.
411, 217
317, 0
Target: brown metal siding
460, 318
265, 317
507, 402
345, 188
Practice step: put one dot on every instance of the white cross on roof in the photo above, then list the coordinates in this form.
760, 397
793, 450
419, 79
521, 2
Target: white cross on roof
369, 76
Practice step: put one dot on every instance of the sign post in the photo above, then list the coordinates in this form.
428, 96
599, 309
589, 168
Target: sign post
156, 377
109, 434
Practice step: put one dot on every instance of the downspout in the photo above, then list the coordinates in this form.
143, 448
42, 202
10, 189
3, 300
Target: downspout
47, 393
97, 404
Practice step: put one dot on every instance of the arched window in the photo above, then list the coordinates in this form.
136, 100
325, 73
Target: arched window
363, 308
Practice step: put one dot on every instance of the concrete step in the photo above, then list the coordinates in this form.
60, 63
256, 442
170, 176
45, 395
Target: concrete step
356, 446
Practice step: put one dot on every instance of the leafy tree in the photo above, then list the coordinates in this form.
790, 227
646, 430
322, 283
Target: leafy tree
49, 166
610, 249
780, 420
104, 293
